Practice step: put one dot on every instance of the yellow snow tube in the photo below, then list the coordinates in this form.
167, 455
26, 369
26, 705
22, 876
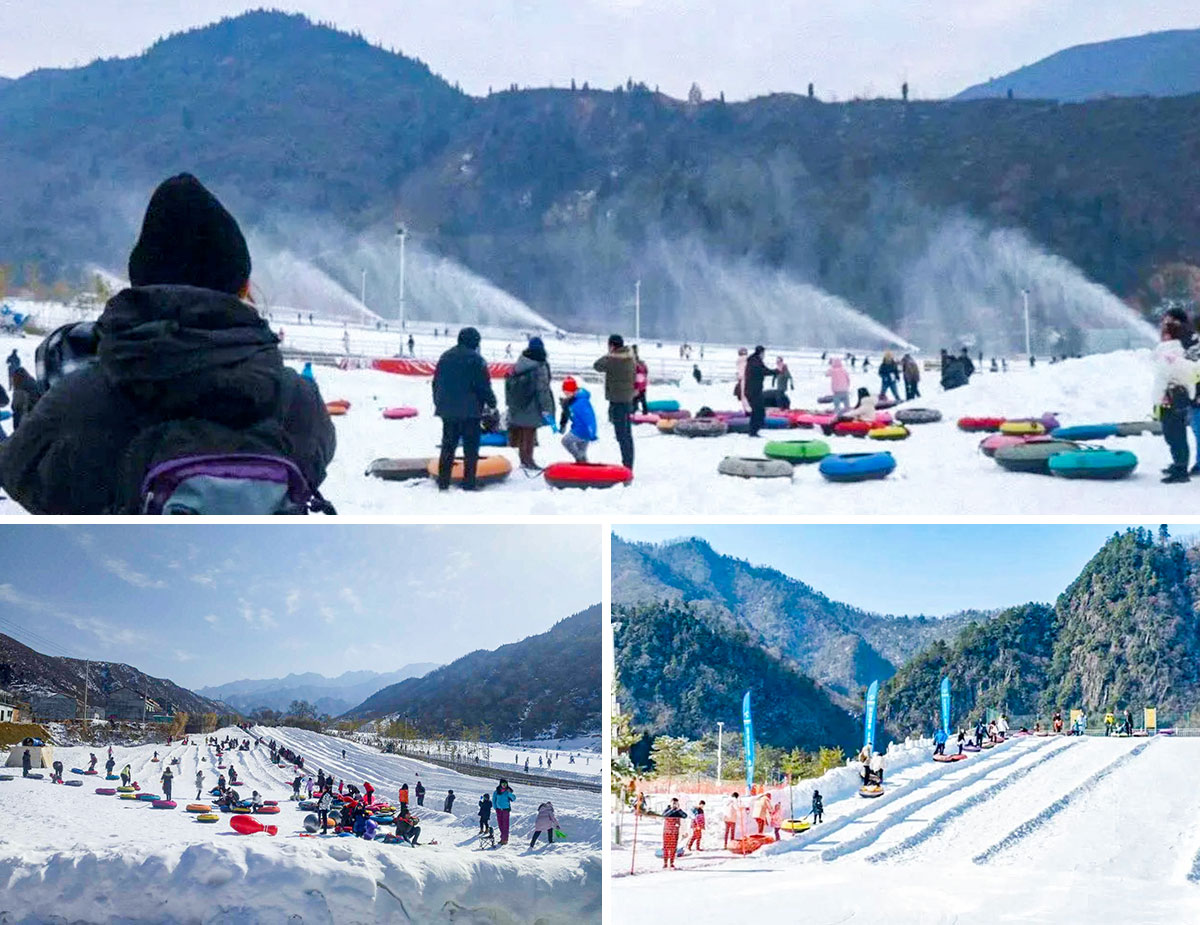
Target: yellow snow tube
489, 469
125, 789
207, 817
1022, 428
890, 432
667, 425
796, 825
128, 796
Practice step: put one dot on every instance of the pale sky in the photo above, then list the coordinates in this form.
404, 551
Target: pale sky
744, 47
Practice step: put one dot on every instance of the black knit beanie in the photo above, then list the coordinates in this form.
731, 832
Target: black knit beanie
189, 239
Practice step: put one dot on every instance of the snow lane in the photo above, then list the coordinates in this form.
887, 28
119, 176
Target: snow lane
1031, 826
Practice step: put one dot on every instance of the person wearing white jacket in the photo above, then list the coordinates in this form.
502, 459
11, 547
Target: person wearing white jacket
733, 815
762, 811
1176, 372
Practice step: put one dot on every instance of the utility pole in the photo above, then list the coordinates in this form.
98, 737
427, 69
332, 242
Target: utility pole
720, 730
401, 234
1028, 348
637, 311
362, 294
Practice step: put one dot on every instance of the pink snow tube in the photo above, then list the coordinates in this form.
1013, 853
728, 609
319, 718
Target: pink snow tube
399, 414
639, 418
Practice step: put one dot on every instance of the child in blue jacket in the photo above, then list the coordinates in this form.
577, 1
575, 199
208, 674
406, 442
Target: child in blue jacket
577, 409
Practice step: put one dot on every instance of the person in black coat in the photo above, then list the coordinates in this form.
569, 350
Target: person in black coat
756, 373
485, 811
181, 365
461, 390
448, 805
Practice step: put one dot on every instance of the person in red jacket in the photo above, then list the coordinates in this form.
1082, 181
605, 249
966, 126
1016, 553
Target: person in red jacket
369, 793
404, 798
671, 821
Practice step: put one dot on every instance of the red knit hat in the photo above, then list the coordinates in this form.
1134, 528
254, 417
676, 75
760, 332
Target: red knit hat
570, 386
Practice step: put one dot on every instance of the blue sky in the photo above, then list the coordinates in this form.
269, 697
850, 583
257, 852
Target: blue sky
204, 604
914, 569
742, 47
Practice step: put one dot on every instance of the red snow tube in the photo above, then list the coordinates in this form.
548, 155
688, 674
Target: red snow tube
399, 414
750, 844
106, 791
852, 428
976, 425
265, 810
586, 475
949, 757
639, 418
163, 804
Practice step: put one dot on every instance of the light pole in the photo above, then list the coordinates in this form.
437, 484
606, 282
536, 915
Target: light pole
720, 730
637, 311
362, 292
401, 234
1028, 348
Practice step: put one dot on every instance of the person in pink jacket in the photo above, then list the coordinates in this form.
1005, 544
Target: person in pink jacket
777, 819
546, 822
839, 384
762, 811
732, 812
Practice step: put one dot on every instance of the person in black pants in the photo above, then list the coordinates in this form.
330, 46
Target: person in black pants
756, 372
620, 372
462, 390
1174, 360
420, 794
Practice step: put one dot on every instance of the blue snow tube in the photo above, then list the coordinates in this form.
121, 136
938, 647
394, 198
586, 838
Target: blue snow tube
662, 405
1093, 464
1085, 432
775, 422
857, 467
493, 439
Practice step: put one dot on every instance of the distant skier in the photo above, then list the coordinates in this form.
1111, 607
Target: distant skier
502, 801
199, 784
420, 791
818, 807
547, 822
485, 812
698, 822
168, 778
447, 806
671, 823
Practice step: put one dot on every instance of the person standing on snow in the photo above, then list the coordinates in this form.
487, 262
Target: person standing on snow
889, 372
296, 782
698, 822
126, 776
446, 807
619, 368
641, 379
485, 812
530, 401
962, 738
368, 793
939, 742
462, 389
177, 365
92, 762
782, 376
733, 815
1175, 377
739, 385
672, 819
818, 807
756, 373
199, 783
912, 377
167, 779
762, 811
839, 385
777, 818
420, 791
577, 411
1128, 723
1110, 723
502, 801
324, 805
877, 768
109, 765
56, 772
404, 797
546, 822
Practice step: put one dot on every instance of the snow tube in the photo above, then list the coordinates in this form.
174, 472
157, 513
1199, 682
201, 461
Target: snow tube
148, 796
797, 451
1093, 464
738, 424
990, 444
1085, 432
112, 777
398, 470
662, 405
875, 790
270, 802
208, 817
1031, 456
586, 475
891, 432
384, 819
491, 469
666, 425
680, 415
493, 439
199, 808
163, 804
947, 758
971, 748
90, 772
812, 419
975, 425
750, 844
307, 805
679, 852
749, 467
399, 414
106, 791
701, 427
853, 428
73, 783
127, 796
918, 415
265, 810
824, 399
1022, 428
988, 745
857, 467
240, 809
336, 409
76, 770
638, 418
1137, 428
126, 789
796, 825
885, 403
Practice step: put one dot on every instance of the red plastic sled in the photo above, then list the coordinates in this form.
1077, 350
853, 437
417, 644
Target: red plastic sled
399, 414
266, 810
586, 475
245, 825
750, 844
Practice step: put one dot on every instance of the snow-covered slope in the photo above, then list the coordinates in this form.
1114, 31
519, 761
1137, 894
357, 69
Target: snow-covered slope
1036, 830
939, 468
69, 854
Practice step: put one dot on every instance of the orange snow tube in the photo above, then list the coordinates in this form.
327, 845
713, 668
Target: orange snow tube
490, 469
750, 844
199, 808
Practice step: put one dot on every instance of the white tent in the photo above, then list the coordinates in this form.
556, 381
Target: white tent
40, 756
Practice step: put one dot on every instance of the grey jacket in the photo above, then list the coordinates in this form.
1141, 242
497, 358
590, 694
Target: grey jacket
538, 402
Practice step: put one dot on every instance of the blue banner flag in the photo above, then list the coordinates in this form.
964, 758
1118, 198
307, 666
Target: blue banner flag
946, 705
869, 718
748, 741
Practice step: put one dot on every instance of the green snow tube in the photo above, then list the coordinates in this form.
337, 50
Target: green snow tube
1093, 464
797, 451
1032, 457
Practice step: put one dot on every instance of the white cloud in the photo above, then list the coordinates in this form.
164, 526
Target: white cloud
350, 596
212, 619
292, 602
128, 574
183, 656
259, 617
106, 632
328, 614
